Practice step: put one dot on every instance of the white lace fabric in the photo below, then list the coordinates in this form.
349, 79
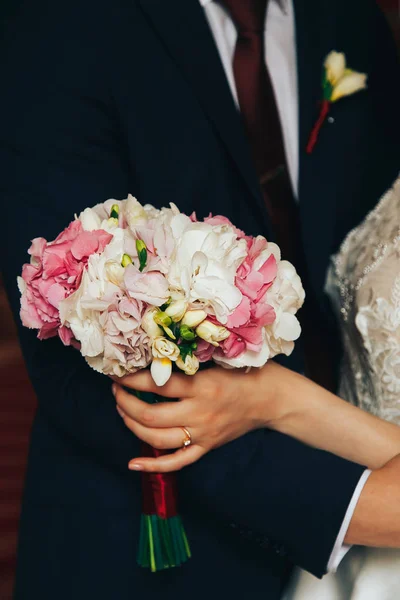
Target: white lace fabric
364, 286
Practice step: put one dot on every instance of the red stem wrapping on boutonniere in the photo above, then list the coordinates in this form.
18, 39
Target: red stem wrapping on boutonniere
325, 107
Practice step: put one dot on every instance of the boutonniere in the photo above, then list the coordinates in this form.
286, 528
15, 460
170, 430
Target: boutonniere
338, 81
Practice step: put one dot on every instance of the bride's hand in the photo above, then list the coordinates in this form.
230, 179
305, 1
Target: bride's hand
216, 406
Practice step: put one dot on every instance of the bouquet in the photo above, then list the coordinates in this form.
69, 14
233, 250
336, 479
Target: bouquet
132, 287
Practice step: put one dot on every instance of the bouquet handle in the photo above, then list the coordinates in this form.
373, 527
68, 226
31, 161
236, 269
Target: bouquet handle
163, 543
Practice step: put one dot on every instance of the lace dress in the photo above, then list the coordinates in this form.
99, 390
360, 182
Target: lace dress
364, 286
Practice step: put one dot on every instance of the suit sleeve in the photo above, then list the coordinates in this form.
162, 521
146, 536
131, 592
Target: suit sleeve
61, 149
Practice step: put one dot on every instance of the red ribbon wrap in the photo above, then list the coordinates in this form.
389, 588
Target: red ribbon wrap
325, 106
159, 489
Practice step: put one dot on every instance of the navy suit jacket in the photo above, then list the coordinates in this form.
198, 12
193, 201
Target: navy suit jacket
101, 98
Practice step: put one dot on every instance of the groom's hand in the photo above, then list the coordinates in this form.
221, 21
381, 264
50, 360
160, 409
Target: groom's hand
216, 406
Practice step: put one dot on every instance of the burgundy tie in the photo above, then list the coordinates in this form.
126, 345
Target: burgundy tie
261, 120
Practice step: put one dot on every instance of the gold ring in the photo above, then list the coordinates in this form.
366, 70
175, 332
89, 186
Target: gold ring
187, 439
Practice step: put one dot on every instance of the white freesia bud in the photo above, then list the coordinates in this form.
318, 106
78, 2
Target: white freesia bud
149, 325
163, 348
134, 212
350, 83
115, 272
176, 310
335, 64
213, 334
193, 318
161, 370
190, 366
90, 220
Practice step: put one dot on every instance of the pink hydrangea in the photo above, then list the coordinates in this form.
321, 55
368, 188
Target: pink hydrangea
254, 277
55, 272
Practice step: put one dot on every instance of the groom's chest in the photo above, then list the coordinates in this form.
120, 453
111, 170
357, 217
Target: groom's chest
184, 134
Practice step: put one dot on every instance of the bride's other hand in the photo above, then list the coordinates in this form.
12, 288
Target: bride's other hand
216, 406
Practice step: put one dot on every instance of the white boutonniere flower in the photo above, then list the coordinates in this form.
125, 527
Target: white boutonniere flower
338, 82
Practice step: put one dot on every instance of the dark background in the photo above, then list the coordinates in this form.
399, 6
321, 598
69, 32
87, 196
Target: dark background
17, 400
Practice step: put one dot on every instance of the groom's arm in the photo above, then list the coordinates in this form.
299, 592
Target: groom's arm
61, 150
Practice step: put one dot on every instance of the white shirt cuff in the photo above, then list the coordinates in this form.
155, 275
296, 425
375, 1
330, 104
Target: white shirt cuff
340, 549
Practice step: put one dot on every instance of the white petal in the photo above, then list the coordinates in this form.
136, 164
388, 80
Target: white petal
90, 220
349, 84
161, 370
335, 64
288, 328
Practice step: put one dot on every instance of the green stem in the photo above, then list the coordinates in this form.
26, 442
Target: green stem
151, 542
185, 541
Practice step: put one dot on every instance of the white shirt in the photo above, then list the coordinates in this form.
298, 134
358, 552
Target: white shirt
280, 57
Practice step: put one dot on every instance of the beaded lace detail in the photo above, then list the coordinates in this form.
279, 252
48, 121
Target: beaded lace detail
364, 286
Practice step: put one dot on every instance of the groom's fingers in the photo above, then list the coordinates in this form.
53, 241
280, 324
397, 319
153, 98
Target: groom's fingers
178, 386
164, 414
170, 462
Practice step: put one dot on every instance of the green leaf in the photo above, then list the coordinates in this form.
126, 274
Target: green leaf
142, 254
126, 260
185, 350
187, 333
114, 214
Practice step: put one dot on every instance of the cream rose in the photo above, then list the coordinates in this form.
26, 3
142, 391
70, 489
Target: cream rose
176, 310
190, 366
193, 318
213, 334
149, 325
163, 348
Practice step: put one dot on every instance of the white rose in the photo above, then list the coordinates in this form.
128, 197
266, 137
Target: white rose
190, 366
176, 310
163, 348
335, 64
193, 318
213, 334
149, 325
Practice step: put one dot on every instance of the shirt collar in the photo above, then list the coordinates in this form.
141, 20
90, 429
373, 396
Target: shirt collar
283, 4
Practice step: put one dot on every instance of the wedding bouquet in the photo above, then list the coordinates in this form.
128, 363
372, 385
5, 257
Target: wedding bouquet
133, 287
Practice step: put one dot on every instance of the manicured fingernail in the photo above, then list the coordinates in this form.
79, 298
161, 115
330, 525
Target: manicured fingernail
135, 467
114, 389
120, 411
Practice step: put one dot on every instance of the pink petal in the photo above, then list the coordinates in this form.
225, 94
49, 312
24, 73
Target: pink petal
37, 247
70, 232
66, 335
233, 346
204, 351
241, 315
55, 294
269, 269
262, 315
89, 242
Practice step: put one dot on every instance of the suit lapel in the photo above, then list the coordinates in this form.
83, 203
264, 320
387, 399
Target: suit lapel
317, 191
182, 26
309, 39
